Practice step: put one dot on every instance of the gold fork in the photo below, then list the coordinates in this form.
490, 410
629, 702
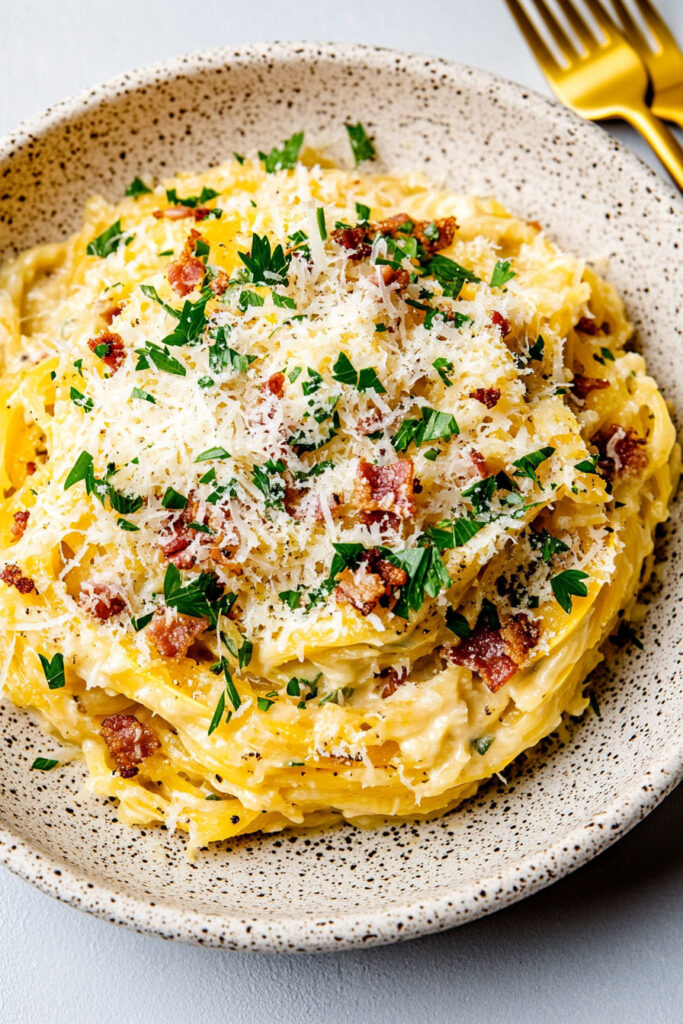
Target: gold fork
600, 79
664, 62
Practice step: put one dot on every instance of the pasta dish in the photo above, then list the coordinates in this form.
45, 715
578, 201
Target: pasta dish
323, 490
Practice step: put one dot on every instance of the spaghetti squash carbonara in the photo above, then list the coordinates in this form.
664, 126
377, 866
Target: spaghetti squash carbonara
321, 491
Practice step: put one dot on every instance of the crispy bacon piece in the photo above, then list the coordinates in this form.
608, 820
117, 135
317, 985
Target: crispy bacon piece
587, 325
395, 678
385, 488
182, 212
582, 386
354, 241
364, 589
172, 633
220, 283
487, 396
109, 312
275, 385
385, 520
478, 462
389, 275
129, 742
115, 354
101, 600
496, 654
185, 273
18, 527
445, 230
500, 321
12, 576
177, 535
30, 468
621, 451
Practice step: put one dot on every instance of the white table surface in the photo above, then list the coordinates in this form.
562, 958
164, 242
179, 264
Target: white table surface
604, 945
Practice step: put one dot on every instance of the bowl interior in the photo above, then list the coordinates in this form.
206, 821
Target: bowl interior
477, 134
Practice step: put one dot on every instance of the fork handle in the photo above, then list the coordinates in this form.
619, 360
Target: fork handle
662, 140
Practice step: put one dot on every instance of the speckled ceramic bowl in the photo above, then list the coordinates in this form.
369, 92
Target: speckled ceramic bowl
567, 801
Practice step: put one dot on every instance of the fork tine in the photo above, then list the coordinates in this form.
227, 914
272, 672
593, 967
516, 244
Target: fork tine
655, 24
577, 23
631, 30
562, 41
534, 40
604, 20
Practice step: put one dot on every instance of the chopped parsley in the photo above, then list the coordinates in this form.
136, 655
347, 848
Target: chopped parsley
457, 623
589, 465
270, 483
53, 670
541, 540
363, 380
205, 195
82, 469
191, 318
264, 704
453, 533
202, 598
265, 265
78, 398
248, 298
322, 227
109, 241
482, 744
137, 188
362, 213
431, 427
501, 274
44, 764
443, 367
223, 357
528, 464
426, 573
173, 499
283, 301
145, 395
337, 696
536, 350
569, 584
142, 621
450, 275
595, 707
292, 598
213, 453
283, 159
361, 145
160, 357
125, 524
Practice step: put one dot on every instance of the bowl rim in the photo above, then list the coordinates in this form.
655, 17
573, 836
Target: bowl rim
414, 917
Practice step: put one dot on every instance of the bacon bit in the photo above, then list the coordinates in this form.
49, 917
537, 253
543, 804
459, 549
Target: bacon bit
18, 527
101, 600
353, 240
364, 590
30, 468
129, 742
388, 275
385, 488
478, 462
621, 451
521, 634
177, 535
535, 224
172, 634
115, 354
500, 321
220, 283
487, 396
587, 325
395, 678
182, 212
385, 520
109, 313
185, 273
275, 385
582, 386
496, 654
12, 576
484, 651
446, 226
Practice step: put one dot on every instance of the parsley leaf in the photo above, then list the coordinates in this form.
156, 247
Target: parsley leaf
536, 350
223, 357
125, 524
482, 744
322, 227
108, 241
443, 367
453, 533
541, 540
265, 266
426, 575
137, 188
191, 201
365, 380
361, 145
44, 764
201, 598
432, 426
589, 465
145, 395
528, 464
292, 598
283, 301
173, 499
363, 213
457, 623
283, 159
160, 357
77, 398
567, 584
450, 275
270, 483
213, 453
501, 274
53, 670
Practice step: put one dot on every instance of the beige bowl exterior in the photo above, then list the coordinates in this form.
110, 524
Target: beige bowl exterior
564, 803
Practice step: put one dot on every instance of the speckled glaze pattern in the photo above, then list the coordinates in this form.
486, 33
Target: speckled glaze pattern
567, 800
